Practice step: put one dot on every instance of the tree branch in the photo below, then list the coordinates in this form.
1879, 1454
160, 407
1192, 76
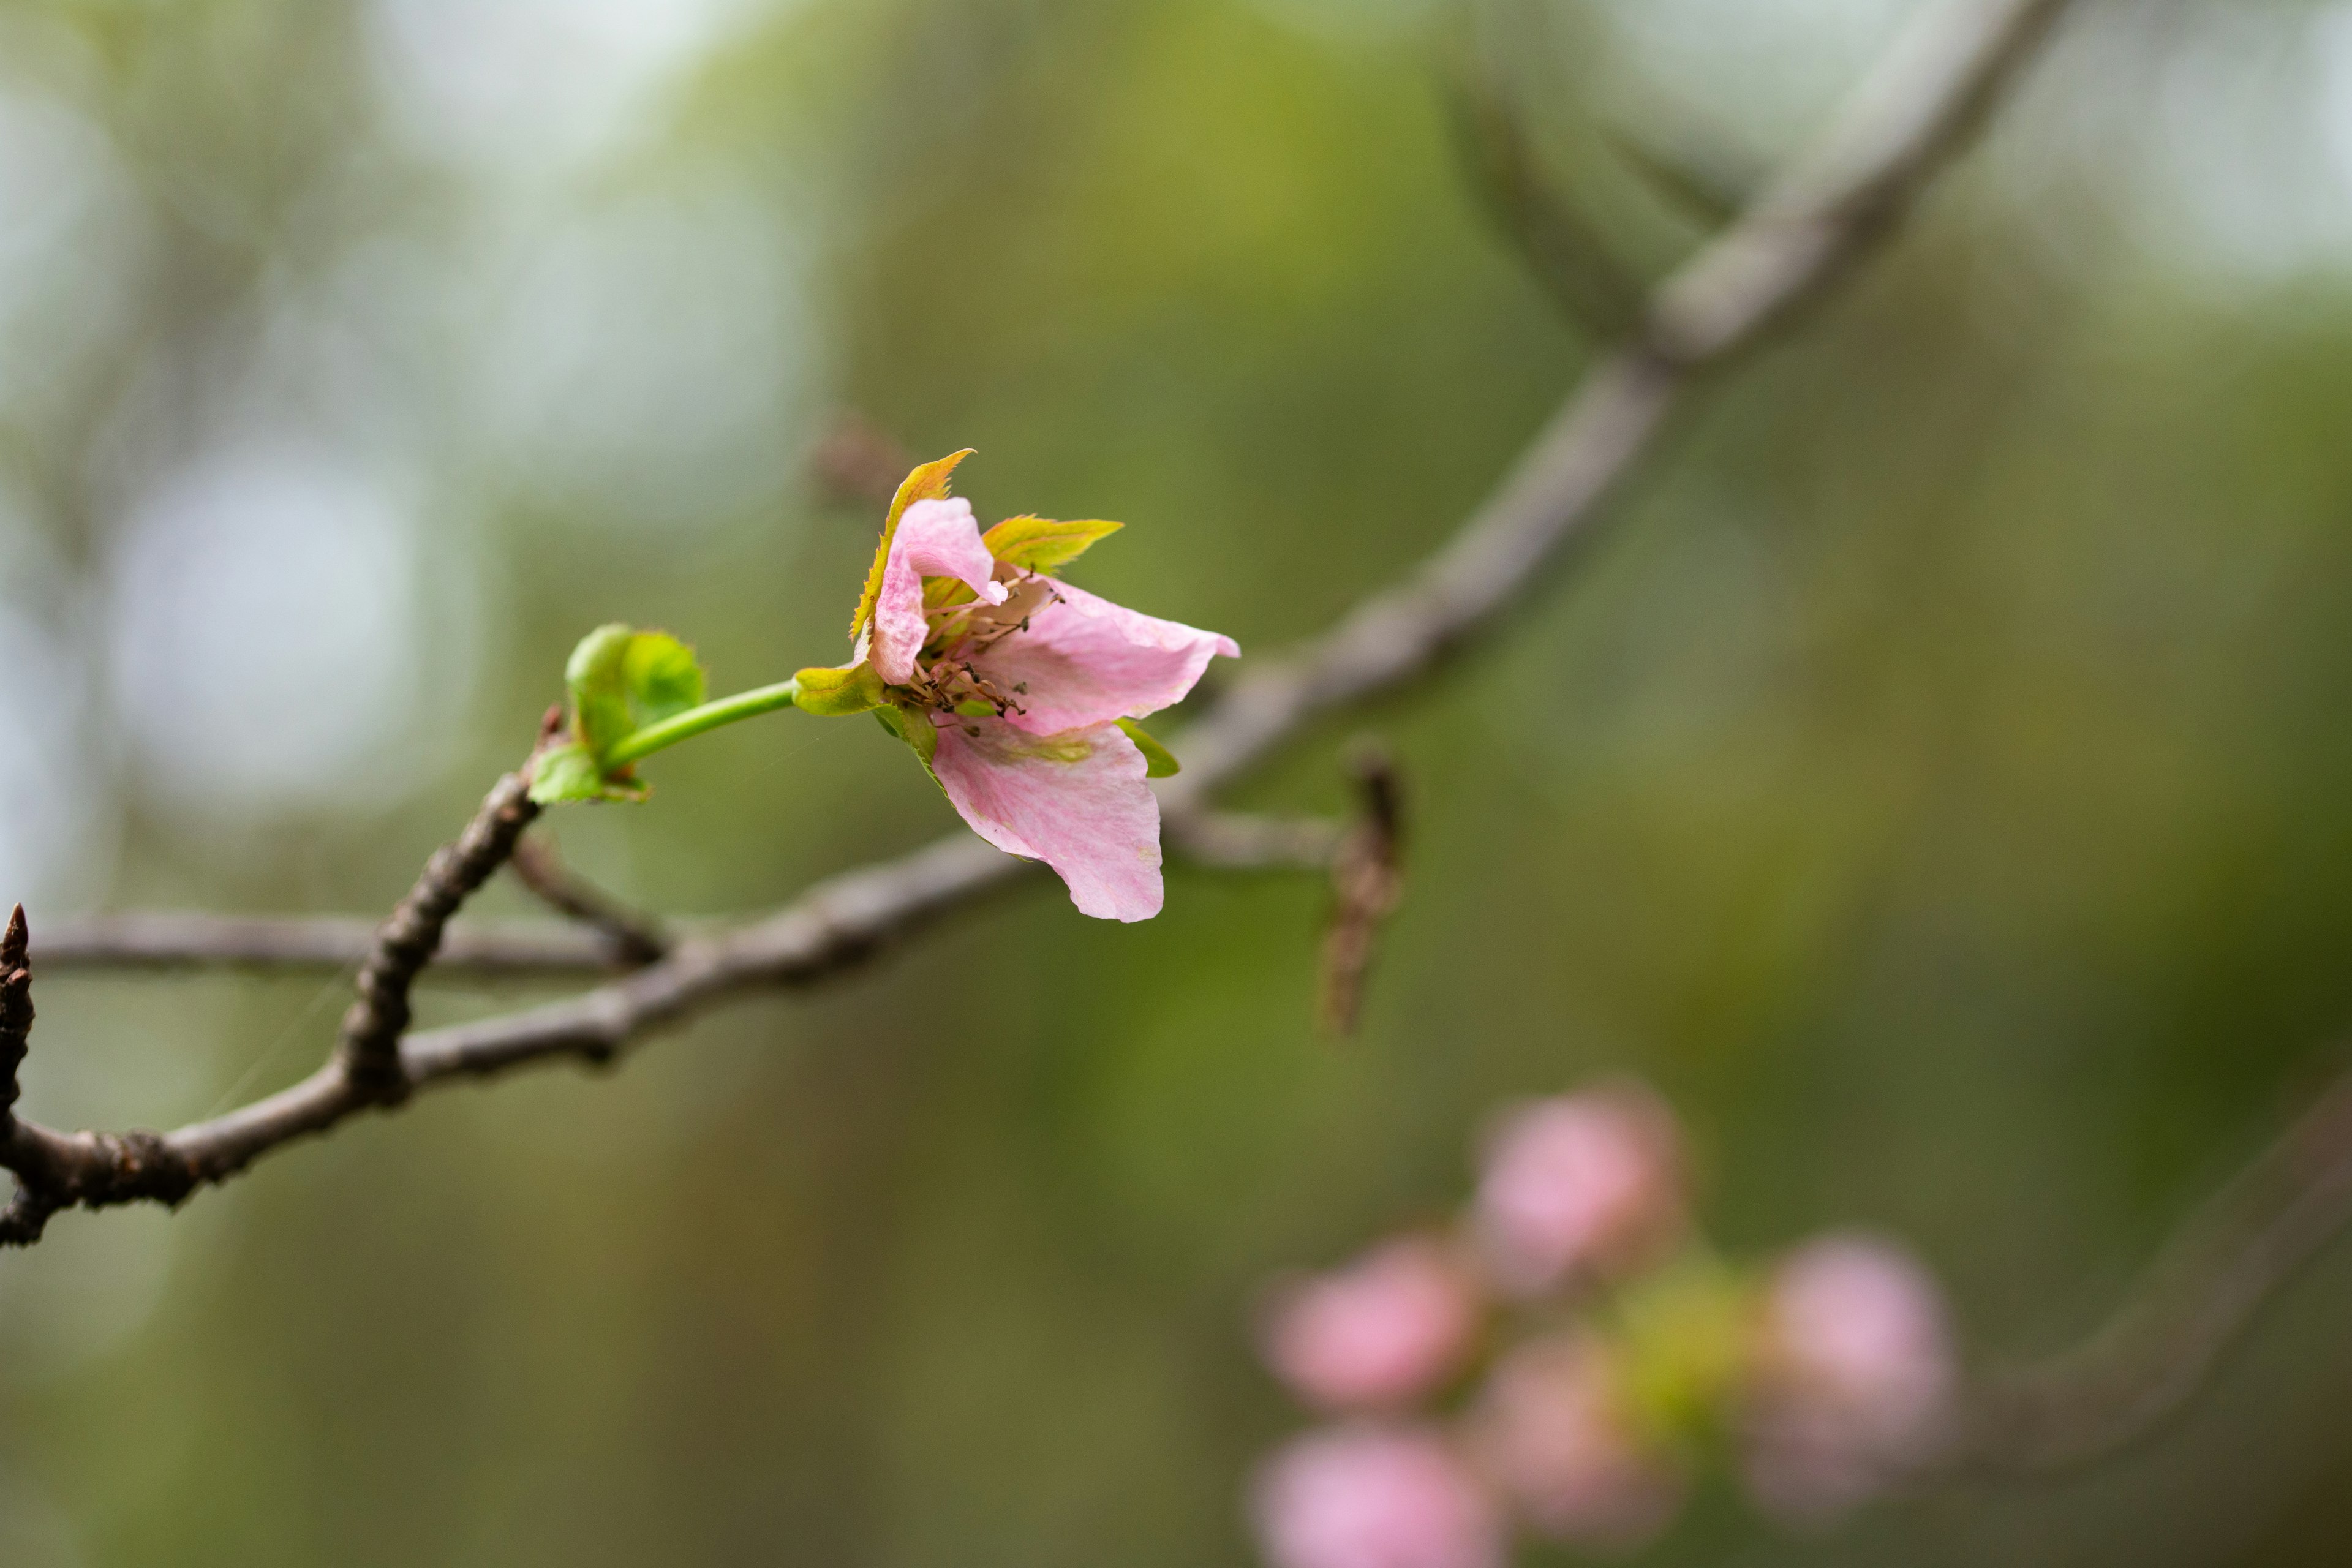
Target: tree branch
2229, 1258
367, 1052
1804, 234
171, 941
1242, 841
638, 937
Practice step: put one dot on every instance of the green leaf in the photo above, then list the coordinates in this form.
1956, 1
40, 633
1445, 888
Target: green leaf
622, 679
1040, 544
928, 482
597, 674
1159, 762
832, 693
914, 726
571, 772
664, 678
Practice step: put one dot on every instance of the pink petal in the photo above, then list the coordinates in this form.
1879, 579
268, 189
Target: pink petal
1855, 1380
1374, 1496
935, 539
1386, 1329
1085, 660
1075, 801
1580, 1185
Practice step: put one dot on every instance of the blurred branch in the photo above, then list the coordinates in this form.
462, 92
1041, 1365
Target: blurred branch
1235, 841
2221, 1267
1367, 882
1799, 238
1704, 187
637, 937
153, 939
1566, 254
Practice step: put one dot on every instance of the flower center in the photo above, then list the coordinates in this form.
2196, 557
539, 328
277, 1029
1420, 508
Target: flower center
945, 678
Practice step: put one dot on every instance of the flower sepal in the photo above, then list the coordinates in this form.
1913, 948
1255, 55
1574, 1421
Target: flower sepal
837, 692
914, 726
1159, 762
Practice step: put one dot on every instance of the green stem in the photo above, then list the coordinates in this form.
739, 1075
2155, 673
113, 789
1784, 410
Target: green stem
695, 721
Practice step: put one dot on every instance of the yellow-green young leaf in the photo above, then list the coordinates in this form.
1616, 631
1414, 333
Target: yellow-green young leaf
832, 693
1040, 544
1158, 761
928, 482
914, 726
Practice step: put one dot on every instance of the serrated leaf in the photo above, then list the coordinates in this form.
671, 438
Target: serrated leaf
834, 693
1042, 544
1158, 761
928, 482
622, 679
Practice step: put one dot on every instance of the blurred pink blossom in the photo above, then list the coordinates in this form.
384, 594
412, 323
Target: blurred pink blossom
1854, 1376
1385, 1329
1374, 1496
1551, 1430
1580, 1184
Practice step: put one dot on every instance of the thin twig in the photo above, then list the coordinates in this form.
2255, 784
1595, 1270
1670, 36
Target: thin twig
174, 941
15, 1006
26, 1213
637, 936
368, 1048
1564, 251
1805, 233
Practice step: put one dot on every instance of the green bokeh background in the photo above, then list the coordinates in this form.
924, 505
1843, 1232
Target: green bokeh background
1934, 783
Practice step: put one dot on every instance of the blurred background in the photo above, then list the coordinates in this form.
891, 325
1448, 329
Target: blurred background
1937, 786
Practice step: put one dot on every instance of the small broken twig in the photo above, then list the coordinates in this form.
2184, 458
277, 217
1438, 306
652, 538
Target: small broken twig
1366, 883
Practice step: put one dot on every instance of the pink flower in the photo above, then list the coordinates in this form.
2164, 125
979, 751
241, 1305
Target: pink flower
1854, 1380
1018, 690
1552, 1429
1373, 1497
1580, 1185
1384, 1330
